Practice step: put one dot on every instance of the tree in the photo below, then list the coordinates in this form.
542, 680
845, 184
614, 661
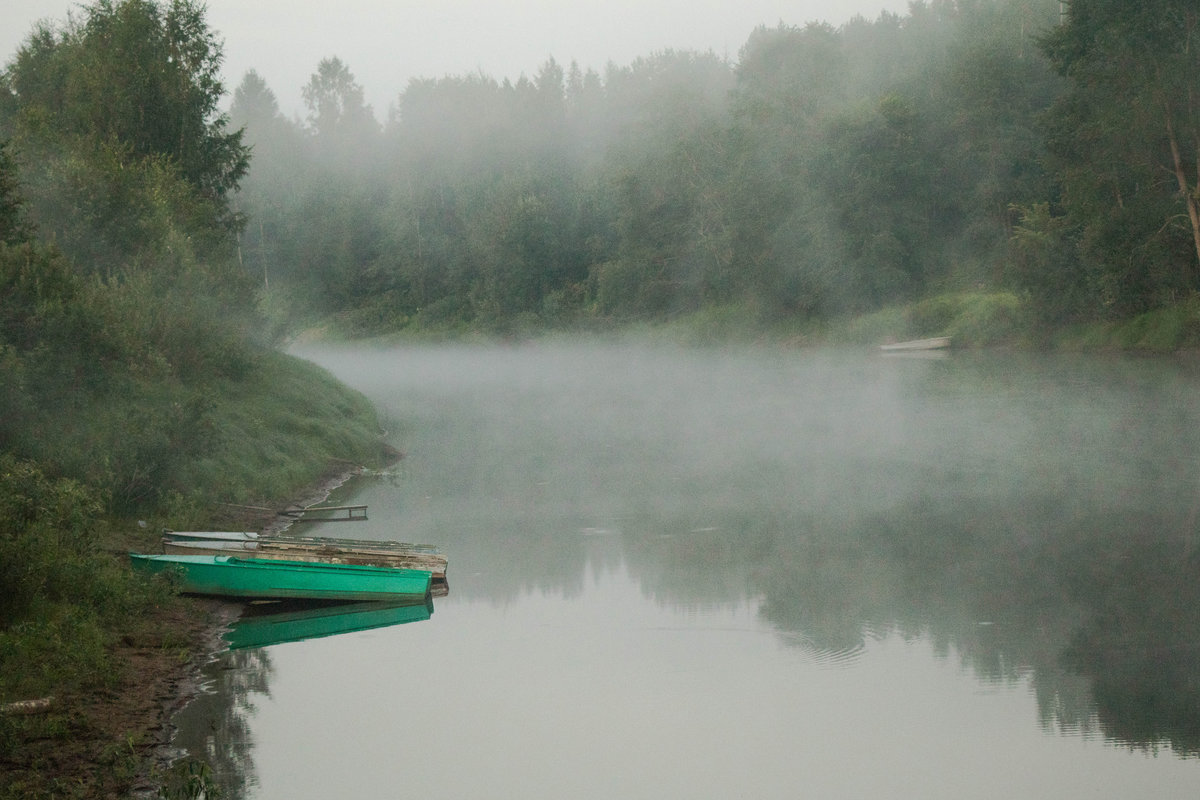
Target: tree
341, 122
279, 176
254, 104
12, 225
790, 81
137, 72
115, 124
1125, 138
788, 75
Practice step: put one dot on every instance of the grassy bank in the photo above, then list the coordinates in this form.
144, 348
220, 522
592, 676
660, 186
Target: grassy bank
971, 320
104, 650
1165, 330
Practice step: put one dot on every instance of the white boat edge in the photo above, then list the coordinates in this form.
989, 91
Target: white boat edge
934, 343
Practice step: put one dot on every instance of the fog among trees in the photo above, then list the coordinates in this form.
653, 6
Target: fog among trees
1042, 150
1028, 150
1024, 149
992, 145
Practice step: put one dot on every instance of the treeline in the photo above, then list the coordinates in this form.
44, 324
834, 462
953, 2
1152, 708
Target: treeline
1017, 146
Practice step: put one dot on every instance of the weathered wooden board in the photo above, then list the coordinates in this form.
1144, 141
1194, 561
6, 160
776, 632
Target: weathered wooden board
322, 550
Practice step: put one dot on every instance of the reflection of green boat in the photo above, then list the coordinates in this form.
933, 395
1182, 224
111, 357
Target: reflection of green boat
296, 623
231, 576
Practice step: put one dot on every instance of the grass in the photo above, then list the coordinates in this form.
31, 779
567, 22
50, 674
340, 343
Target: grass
282, 430
970, 319
77, 624
1163, 330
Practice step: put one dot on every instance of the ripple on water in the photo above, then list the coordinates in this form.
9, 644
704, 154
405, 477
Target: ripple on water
823, 655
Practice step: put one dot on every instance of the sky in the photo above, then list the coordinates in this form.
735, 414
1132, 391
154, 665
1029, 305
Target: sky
386, 43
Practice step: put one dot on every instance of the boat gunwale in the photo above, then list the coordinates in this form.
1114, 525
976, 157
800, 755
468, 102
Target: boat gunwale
233, 576
273, 563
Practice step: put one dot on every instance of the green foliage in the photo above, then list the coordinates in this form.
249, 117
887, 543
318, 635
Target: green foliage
987, 319
970, 319
40, 521
280, 429
12, 225
133, 366
829, 171
339, 119
139, 72
190, 779
62, 595
886, 324
115, 125
125, 326
1123, 145
1163, 330
1046, 265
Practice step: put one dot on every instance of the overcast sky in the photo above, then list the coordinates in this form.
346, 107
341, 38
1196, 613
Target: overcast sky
388, 42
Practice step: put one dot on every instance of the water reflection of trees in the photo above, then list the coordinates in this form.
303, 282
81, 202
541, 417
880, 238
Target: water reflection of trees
1140, 644
1099, 612
216, 725
668, 555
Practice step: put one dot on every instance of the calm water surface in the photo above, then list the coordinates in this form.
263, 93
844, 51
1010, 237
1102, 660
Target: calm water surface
753, 573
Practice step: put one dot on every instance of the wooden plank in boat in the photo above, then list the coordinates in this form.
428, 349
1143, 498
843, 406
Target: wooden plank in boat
434, 563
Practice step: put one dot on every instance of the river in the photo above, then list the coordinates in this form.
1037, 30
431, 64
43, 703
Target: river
752, 572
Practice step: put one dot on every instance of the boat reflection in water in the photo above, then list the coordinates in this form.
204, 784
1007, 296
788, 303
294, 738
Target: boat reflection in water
282, 621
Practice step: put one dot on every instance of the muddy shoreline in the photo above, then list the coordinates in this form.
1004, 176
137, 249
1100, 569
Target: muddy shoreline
119, 741
211, 617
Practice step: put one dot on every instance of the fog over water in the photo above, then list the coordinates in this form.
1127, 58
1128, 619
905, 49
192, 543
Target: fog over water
752, 572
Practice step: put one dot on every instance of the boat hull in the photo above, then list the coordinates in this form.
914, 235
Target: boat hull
233, 576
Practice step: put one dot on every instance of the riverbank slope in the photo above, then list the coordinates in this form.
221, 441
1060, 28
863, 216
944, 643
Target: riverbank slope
107, 656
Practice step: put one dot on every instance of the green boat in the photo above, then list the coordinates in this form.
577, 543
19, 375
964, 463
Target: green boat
231, 576
293, 623
368, 552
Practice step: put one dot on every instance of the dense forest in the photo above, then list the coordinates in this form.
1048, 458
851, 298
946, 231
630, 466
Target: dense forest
1036, 152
